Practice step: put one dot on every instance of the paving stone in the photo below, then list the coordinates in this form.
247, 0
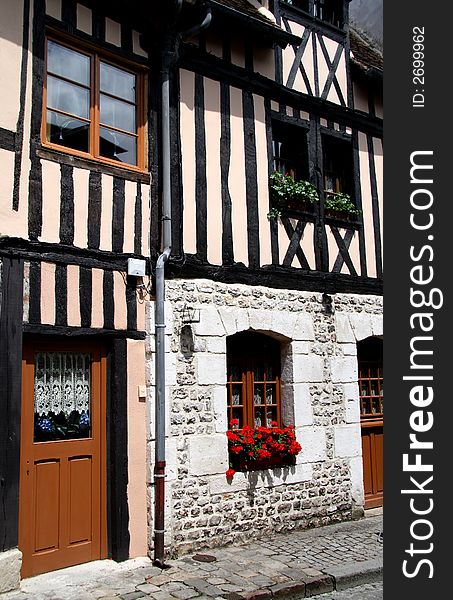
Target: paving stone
185, 594
161, 596
133, 595
148, 588
229, 587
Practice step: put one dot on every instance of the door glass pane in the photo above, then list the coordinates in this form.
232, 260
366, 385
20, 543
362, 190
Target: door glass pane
68, 63
62, 391
119, 146
117, 82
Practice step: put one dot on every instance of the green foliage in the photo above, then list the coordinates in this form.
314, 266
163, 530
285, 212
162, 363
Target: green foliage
286, 190
340, 202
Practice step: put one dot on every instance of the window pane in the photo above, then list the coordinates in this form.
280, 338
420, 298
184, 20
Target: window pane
118, 146
68, 97
258, 395
118, 82
117, 114
271, 415
271, 396
68, 63
67, 131
259, 417
258, 373
62, 391
270, 375
236, 395
235, 371
237, 413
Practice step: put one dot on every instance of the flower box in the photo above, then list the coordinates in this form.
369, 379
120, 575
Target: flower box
340, 215
299, 205
274, 462
287, 193
254, 449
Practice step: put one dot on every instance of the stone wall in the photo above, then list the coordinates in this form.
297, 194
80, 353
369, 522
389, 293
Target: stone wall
319, 396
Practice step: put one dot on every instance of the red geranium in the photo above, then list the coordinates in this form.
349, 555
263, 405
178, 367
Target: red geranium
262, 443
230, 473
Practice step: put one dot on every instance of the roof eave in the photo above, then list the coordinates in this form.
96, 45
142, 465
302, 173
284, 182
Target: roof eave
269, 31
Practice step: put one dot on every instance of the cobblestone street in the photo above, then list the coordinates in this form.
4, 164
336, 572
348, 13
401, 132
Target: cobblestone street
293, 565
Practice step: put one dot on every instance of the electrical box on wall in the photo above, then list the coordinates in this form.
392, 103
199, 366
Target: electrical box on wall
136, 267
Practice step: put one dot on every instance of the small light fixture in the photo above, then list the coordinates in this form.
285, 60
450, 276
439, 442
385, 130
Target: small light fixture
327, 303
190, 315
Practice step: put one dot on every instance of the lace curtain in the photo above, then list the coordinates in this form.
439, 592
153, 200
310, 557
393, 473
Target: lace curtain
62, 382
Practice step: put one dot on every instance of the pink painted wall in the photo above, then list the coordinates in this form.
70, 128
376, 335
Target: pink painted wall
136, 424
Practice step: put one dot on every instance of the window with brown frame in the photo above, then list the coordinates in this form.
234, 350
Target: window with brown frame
93, 106
290, 150
253, 380
371, 378
337, 163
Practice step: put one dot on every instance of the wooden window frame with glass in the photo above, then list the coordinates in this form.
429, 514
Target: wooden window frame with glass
290, 150
245, 357
95, 95
330, 12
371, 389
337, 165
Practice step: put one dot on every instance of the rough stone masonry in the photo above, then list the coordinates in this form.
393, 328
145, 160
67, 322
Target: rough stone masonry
320, 397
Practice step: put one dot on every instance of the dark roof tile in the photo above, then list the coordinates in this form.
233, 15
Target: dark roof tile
365, 53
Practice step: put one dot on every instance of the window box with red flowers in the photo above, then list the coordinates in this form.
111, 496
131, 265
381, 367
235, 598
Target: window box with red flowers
253, 449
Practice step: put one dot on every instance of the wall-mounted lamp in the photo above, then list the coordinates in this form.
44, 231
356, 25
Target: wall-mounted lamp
327, 303
190, 315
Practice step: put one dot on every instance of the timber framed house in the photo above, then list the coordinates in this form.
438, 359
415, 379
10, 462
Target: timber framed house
190, 235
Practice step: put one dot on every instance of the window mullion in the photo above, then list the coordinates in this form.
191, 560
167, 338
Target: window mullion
249, 394
95, 103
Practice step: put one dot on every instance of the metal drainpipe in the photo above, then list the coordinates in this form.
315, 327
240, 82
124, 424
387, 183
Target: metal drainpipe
168, 59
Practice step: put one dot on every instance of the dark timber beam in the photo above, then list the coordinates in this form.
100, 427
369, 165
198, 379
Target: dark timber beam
11, 286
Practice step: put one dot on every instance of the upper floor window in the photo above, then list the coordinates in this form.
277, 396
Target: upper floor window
303, 4
93, 107
337, 163
329, 11
290, 150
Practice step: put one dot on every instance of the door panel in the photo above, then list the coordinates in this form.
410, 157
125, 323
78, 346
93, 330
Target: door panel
62, 487
47, 492
372, 456
80, 494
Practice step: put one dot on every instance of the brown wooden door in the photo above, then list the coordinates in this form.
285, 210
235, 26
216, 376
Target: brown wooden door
62, 481
373, 463
371, 388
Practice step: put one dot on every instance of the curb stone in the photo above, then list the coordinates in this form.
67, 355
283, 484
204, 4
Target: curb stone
346, 576
337, 579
